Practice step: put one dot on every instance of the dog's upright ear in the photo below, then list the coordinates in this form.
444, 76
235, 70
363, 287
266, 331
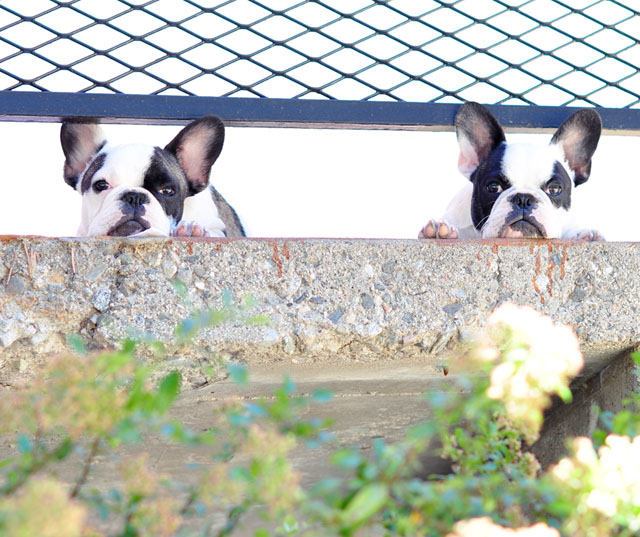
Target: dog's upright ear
80, 143
197, 147
478, 133
578, 137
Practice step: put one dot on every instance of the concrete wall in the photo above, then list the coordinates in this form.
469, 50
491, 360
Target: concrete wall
330, 302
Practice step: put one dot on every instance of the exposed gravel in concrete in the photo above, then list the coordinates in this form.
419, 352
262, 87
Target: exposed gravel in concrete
330, 301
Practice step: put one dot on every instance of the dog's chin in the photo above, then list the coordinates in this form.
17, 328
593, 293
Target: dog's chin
129, 227
523, 229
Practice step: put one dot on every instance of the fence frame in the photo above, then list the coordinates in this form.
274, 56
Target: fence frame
109, 105
249, 112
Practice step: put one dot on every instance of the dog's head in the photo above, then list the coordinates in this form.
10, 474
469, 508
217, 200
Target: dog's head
135, 189
523, 190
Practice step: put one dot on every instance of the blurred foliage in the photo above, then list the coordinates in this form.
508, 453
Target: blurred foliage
86, 407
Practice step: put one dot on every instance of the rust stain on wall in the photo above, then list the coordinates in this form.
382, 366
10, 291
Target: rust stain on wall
562, 262
276, 258
550, 266
537, 273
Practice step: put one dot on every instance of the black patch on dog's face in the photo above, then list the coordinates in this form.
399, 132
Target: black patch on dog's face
561, 179
93, 168
488, 172
165, 180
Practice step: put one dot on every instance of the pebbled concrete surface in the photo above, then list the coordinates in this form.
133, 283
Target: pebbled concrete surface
333, 302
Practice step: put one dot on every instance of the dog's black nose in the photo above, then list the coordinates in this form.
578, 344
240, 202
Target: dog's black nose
526, 202
135, 199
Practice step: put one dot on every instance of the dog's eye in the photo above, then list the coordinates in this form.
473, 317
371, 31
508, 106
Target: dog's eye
493, 187
100, 185
167, 191
554, 188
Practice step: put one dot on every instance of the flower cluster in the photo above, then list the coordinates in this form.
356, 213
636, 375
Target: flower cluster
80, 395
608, 481
533, 358
484, 527
43, 508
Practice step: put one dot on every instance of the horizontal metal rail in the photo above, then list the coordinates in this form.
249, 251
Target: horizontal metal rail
237, 111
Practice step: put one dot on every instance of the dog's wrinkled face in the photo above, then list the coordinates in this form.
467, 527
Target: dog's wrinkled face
129, 189
136, 189
523, 190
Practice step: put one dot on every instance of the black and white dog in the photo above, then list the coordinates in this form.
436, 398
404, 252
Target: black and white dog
517, 190
141, 190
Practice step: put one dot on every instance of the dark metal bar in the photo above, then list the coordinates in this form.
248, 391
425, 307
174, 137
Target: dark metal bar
236, 111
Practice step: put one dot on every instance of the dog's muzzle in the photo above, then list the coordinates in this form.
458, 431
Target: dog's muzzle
132, 206
521, 222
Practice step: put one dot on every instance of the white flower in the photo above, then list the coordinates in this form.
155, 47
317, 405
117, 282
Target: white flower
535, 359
608, 481
584, 451
484, 527
605, 502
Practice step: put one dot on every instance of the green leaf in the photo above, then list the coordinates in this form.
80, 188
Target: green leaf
7, 462
261, 533
115, 361
636, 357
346, 458
158, 348
423, 431
599, 437
322, 396
290, 525
186, 329
215, 317
227, 298
127, 431
168, 391
565, 394
239, 374
64, 449
258, 320
364, 505
77, 344
25, 445
128, 346
180, 288
288, 386
249, 301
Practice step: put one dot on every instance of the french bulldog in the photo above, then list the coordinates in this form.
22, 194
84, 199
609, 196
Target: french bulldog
140, 190
517, 190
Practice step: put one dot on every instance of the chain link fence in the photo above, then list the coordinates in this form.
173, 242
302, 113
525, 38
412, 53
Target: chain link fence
498, 52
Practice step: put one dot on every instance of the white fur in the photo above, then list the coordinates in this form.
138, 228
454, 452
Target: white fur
458, 213
531, 165
201, 208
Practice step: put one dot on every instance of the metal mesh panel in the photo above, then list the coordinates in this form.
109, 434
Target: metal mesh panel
543, 52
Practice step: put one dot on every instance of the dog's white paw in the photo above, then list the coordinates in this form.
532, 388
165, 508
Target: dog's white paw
189, 229
438, 230
588, 235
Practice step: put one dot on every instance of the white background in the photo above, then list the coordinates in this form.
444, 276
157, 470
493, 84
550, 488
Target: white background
311, 182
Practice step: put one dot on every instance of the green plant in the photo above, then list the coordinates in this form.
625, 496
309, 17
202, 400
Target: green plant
84, 406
